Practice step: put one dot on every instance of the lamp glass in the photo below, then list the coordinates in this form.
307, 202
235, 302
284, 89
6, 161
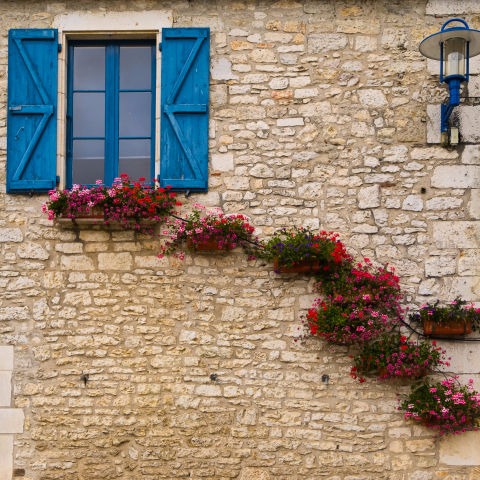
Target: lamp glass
455, 54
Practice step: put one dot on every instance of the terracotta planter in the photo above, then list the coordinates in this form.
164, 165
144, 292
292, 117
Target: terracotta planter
447, 329
383, 373
94, 216
208, 245
301, 267
96, 212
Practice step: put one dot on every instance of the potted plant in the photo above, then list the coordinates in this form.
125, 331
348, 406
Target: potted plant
127, 203
392, 355
456, 318
445, 406
204, 230
301, 250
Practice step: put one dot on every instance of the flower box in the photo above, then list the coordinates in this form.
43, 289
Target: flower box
94, 216
302, 250
128, 204
447, 329
300, 267
208, 245
207, 231
453, 319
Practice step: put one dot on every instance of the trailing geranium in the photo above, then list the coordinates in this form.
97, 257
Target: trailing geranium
377, 285
125, 202
445, 406
365, 305
347, 321
203, 229
392, 355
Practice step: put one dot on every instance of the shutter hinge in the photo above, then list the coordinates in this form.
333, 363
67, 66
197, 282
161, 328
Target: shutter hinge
160, 46
57, 180
59, 47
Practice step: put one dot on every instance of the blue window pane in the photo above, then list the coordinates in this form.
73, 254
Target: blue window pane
88, 161
88, 114
111, 87
134, 158
135, 114
135, 68
89, 68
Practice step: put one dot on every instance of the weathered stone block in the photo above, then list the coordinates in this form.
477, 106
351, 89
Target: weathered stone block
413, 203
471, 154
325, 42
10, 235
440, 266
474, 204
69, 247
369, 197
76, 262
11, 420
451, 7
456, 234
6, 456
222, 162
115, 261
372, 98
433, 153
6, 357
252, 473
33, 251
290, 122
221, 69
460, 450
456, 176
467, 288
5, 388
443, 203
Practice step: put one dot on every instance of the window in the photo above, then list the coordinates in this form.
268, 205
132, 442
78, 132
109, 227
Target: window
112, 123
111, 111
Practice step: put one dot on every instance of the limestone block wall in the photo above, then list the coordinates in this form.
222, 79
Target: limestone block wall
125, 366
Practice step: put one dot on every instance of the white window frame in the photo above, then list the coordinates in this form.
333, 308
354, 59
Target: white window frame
105, 25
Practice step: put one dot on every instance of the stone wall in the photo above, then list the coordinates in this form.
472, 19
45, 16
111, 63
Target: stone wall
127, 366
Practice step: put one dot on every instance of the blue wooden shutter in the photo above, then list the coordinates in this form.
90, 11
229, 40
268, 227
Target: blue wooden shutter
32, 113
184, 108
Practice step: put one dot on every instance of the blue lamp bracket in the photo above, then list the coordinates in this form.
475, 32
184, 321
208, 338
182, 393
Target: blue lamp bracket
453, 81
433, 47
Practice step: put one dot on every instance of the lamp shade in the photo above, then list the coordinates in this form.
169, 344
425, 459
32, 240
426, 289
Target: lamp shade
430, 47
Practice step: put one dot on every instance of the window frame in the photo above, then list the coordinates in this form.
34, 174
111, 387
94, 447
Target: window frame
128, 25
112, 92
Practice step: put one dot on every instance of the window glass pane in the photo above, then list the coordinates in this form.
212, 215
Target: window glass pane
88, 161
135, 114
134, 158
88, 114
89, 68
135, 68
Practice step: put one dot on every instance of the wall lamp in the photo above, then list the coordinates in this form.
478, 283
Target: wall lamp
453, 46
